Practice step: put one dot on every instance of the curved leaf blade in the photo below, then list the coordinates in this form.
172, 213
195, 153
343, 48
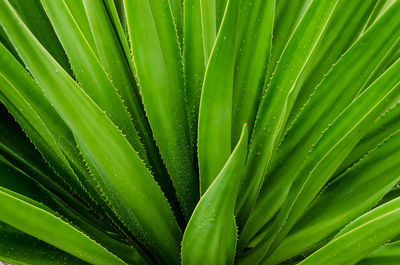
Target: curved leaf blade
362, 236
210, 237
51, 229
121, 175
215, 114
350, 195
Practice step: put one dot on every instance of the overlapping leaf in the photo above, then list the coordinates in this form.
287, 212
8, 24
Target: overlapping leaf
122, 177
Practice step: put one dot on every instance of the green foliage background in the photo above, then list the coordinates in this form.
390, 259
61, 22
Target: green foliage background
200, 132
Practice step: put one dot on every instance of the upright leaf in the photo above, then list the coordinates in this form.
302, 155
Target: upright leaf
177, 13
288, 14
215, 114
194, 65
159, 72
212, 12
77, 11
329, 152
253, 49
279, 99
210, 237
115, 64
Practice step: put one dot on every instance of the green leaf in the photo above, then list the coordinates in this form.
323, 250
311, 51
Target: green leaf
383, 128
118, 15
121, 175
46, 226
354, 192
194, 65
177, 13
115, 64
390, 57
78, 215
212, 13
24, 100
392, 194
288, 14
279, 99
211, 234
380, 8
215, 114
116, 11
77, 11
362, 236
131, 97
159, 70
386, 255
321, 110
89, 73
34, 16
19, 248
339, 140
18, 151
329, 152
254, 37
343, 29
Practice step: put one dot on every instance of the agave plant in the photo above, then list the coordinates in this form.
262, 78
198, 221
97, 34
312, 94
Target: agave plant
200, 132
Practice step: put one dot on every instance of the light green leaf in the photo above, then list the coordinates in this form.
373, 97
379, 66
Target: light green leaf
329, 152
320, 111
343, 29
215, 114
17, 150
77, 11
121, 175
362, 236
339, 140
194, 65
386, 255
177, 13
211, 234
159, 70
383, 128
380, 8
33, 15
390, 57
279, 99
354, 192
15, 180
288, 14
212, 12
115, 64
254, 37
89, 73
